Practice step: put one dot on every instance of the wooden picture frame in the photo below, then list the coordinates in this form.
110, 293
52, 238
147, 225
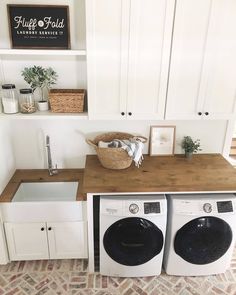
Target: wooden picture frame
162, 140
39, 26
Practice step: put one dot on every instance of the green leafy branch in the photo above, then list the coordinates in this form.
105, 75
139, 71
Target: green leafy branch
38, 76
191, 146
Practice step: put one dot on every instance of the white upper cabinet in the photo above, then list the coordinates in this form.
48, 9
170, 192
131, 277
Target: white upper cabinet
106, 47
149, 51
203, 63
128, 48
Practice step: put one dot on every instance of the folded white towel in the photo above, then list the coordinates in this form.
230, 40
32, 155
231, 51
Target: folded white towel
133, 146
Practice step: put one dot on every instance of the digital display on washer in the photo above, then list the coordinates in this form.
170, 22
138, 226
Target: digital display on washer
225, 206
152, 207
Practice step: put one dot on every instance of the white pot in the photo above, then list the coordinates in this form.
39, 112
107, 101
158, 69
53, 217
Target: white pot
43, 106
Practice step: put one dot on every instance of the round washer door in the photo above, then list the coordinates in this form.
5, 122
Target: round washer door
203, 240
133, 241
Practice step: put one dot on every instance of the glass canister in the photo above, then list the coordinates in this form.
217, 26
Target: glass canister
27, 102
9, 99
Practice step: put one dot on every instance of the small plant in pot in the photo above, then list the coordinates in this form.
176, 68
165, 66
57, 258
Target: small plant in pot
40, 78
190, 146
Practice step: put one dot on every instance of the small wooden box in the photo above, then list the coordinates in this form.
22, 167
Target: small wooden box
67, 100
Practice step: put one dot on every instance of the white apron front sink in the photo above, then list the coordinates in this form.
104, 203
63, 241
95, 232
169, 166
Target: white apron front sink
46, 191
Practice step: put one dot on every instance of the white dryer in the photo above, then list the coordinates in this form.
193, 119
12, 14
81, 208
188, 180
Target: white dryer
201, 234
132, 235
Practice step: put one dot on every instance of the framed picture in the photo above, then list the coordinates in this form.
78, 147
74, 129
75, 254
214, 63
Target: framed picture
39, 26
162, 140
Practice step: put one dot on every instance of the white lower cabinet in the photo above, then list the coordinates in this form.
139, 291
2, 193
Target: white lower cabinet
67, 240
42, 240
27, 241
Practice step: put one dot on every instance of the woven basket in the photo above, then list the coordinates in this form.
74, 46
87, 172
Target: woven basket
113, 158
66, 100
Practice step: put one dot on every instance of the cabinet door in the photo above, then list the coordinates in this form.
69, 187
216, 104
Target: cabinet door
149, 51
27, 241
187, 57
107, 28
67, 239
203, 64
219, 75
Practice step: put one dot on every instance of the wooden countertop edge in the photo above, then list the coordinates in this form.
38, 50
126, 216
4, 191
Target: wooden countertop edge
41, 175
203, 173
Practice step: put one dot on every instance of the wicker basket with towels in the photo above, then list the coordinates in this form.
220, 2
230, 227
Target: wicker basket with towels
115, 157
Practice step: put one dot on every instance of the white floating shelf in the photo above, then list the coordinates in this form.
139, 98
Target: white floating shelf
45, 115
66, 52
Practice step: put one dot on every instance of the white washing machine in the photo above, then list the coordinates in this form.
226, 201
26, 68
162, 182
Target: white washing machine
201, 234
132, 235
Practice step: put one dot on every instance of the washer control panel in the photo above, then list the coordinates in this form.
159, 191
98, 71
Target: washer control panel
207, 207
224, 206
133, 208
152, 207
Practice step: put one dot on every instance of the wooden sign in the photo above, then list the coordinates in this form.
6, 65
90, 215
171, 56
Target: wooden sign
39, 26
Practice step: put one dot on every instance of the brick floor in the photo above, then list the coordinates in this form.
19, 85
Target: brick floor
71, 277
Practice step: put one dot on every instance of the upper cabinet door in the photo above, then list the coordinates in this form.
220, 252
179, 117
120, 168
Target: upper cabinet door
219, 77
203, 64
149, 52
128, 49
107, 27
187, 57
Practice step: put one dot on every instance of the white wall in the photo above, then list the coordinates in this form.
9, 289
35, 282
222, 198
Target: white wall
68, 144
7, 161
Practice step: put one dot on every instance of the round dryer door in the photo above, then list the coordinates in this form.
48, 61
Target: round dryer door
133, 241
203, 240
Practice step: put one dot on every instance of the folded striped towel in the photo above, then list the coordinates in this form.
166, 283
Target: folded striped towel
133, 146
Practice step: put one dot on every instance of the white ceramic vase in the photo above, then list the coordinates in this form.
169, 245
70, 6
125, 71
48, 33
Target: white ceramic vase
43, 105
42, 102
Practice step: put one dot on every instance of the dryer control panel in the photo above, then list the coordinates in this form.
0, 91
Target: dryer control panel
204, 204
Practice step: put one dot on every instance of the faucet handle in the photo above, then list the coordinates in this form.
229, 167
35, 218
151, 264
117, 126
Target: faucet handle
55, 170
47, 140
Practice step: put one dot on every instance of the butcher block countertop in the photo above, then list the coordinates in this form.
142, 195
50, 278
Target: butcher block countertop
41, 175
202, 173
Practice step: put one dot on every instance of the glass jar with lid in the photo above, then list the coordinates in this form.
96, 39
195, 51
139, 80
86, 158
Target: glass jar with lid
27, 102
9, 99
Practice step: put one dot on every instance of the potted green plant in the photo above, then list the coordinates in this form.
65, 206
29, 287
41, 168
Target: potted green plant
40, 78
190, 146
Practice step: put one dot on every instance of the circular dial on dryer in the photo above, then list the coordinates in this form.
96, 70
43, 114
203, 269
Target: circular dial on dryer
207, 207
133, 208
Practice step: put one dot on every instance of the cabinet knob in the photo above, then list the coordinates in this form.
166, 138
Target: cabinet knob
42, 228
199, 113
206, 113
122, 113
129, 113
49, 228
